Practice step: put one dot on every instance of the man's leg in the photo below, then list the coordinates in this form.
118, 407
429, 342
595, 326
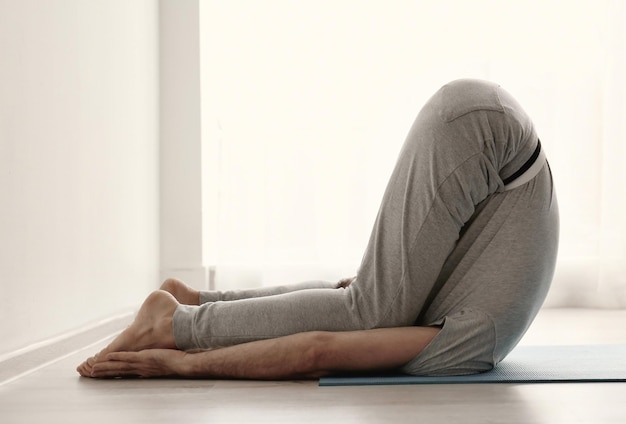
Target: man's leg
465, 136
494, 281
187, 295
231, 295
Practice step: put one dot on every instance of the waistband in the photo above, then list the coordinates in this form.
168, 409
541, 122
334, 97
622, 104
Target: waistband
528, 171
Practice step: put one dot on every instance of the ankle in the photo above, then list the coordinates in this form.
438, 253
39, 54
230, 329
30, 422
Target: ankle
165, 332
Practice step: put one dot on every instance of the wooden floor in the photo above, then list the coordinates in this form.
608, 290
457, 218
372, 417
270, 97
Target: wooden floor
55, 394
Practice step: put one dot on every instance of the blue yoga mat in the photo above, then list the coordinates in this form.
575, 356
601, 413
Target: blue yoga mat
526, 364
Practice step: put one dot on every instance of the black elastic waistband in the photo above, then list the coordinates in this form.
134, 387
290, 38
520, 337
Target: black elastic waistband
526, 165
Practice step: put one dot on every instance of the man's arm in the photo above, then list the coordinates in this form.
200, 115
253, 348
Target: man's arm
304, 355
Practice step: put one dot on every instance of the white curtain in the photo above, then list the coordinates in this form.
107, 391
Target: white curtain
308, 103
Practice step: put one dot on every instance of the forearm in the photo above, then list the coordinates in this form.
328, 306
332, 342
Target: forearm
304, 355
287, 357
311, 355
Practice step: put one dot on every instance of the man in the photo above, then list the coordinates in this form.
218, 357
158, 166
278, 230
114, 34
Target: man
458, 264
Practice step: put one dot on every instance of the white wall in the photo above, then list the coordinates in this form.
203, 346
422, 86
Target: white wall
78, 163
182, 228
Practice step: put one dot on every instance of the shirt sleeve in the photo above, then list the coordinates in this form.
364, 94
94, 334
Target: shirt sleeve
465, 345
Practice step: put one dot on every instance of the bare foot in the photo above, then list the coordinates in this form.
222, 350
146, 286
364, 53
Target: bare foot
181, 291
151, 329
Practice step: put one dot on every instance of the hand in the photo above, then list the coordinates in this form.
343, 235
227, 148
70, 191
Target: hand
145, 363
345, 282
84, 369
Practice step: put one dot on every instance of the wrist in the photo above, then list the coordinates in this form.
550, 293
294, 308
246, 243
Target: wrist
194, 363
185, 364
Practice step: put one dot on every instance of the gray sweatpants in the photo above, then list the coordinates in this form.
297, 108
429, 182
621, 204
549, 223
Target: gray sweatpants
451, 246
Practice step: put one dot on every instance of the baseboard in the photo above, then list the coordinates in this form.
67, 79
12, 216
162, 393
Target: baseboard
24, 361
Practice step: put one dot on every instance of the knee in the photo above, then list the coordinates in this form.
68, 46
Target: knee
461, 97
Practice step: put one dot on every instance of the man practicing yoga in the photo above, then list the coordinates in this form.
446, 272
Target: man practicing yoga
458, 264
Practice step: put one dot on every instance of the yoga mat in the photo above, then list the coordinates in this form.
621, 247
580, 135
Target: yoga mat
525, 364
